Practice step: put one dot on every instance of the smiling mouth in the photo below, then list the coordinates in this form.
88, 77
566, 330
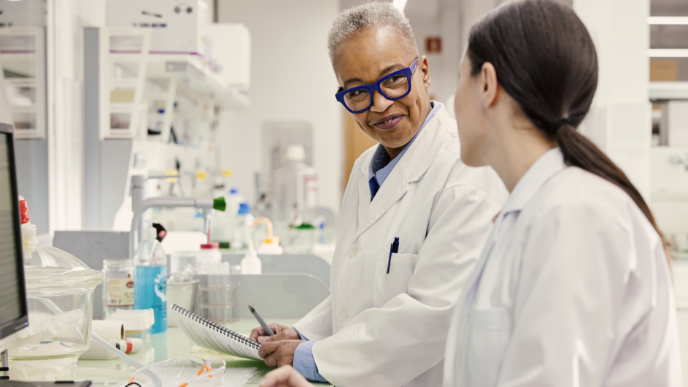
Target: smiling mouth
388, 122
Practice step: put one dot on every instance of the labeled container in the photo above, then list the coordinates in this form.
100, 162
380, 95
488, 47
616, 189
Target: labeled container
118, 285
59, 289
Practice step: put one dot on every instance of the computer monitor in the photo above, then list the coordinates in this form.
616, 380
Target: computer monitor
13, 305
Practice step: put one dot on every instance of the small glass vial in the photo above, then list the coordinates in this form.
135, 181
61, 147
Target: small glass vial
118, 285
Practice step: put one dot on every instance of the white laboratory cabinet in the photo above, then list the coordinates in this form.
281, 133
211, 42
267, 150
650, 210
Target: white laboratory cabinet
177, 27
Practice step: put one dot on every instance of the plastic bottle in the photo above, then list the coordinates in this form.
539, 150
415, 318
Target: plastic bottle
242, 232
150, 279
251, 264
224, 223
209, 258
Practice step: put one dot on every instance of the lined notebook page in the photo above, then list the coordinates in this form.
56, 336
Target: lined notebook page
213, 336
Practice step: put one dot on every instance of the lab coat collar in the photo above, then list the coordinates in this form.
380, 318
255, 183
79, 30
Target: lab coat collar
548, 165
409, 169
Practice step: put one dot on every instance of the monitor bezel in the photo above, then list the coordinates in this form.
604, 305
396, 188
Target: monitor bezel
22, 321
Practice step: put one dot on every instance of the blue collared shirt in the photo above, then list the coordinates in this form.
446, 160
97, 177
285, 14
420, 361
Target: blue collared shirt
380, 168
382, 165
304, 362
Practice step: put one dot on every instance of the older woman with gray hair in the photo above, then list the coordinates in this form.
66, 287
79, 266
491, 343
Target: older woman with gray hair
413, 221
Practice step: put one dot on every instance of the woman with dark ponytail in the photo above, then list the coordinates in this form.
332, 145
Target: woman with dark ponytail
574, 286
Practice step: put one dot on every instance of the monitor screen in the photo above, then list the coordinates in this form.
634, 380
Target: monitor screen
13, 309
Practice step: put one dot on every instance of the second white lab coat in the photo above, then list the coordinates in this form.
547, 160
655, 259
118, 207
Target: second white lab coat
572, 289
389, 329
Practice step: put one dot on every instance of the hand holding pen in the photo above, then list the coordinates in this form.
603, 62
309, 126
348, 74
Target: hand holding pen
277, 332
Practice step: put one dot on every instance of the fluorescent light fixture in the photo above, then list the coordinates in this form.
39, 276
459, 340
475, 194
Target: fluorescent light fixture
667, 53
667, 20
399, 4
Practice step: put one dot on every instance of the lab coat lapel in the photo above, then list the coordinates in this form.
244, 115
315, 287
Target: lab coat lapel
410, 169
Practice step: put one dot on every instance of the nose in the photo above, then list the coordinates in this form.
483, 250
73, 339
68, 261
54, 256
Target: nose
380, 103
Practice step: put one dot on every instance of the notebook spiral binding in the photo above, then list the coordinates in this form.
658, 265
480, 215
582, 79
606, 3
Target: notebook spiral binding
218, 328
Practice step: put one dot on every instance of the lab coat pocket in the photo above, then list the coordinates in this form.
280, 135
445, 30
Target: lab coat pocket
389, 285
491, 329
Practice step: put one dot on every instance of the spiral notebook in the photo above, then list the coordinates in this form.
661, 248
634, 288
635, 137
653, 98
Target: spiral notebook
213, 336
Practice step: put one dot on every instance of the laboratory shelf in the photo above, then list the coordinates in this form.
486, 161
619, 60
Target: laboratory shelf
174, 343
193, 77
668, 90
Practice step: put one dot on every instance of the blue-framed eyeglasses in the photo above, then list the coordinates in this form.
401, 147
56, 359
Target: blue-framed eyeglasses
392, 86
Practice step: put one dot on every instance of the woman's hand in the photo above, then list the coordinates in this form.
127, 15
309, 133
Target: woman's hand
282, 332
284, 377
279, 353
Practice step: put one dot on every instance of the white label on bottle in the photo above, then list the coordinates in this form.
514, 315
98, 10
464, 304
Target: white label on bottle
120, 291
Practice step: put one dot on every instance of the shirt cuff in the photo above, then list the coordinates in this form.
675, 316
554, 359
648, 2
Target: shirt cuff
304, 338
304, 363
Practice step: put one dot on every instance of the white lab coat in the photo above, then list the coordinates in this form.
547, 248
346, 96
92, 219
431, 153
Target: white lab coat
572, 289
379, 329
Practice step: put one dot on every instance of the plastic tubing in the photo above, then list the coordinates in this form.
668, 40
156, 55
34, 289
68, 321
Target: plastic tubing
267, 222
127, 359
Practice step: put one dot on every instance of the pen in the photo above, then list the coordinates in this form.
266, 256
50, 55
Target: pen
262, 322
392, 250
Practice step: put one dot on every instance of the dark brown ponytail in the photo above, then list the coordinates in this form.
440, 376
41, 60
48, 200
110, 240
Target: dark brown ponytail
546, 61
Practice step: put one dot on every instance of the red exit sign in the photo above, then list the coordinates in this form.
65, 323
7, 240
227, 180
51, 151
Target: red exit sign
433, 45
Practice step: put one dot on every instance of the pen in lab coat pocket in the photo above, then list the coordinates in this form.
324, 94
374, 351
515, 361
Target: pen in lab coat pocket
392, 249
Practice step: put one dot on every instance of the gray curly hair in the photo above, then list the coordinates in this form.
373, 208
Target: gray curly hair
374, 14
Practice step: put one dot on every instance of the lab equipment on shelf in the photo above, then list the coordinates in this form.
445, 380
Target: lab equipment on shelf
140, 204
301, 239
242, 232
150, 279
118, 285
269, 245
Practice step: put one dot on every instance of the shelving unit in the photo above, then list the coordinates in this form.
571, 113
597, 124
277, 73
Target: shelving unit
668, 91
133, 76
135, 101
22, 79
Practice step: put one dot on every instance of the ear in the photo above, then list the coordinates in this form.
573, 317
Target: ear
425, 70
489, 85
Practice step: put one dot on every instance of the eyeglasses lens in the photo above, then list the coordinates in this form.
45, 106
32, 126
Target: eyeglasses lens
392, 87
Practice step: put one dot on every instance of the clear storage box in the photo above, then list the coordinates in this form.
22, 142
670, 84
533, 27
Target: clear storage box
59, 290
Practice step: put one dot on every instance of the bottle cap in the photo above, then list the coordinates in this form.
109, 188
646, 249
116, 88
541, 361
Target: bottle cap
244, 209
24, 211
271, 241
219, 204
